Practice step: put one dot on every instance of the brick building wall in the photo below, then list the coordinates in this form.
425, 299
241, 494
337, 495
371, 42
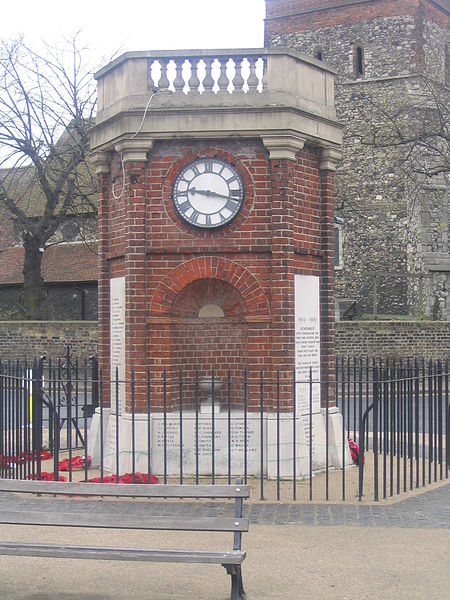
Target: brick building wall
32, 339
398, 339
388, 266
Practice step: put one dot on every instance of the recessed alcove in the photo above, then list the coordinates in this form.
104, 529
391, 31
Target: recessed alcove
209, 333
208, 311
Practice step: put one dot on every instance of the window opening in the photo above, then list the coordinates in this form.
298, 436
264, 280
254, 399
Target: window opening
447, 65
358, 66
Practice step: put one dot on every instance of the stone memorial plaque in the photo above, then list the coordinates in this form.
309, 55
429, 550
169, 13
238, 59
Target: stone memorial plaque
307, 347
109, 454
117, 341
205, 431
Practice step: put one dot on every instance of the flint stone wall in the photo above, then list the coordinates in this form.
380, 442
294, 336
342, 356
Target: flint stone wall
395, 233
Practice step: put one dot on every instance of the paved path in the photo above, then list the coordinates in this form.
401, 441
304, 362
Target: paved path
428, 510
294, 552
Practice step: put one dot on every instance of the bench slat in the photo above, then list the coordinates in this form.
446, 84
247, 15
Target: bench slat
100, 520
126, 489
129, 554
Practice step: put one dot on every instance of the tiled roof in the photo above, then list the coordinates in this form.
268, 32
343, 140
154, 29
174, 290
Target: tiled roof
60, 263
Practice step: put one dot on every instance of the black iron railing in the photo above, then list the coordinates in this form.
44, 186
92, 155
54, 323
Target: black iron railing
292, 439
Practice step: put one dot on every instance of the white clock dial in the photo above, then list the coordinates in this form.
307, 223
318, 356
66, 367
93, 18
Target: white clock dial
208, 193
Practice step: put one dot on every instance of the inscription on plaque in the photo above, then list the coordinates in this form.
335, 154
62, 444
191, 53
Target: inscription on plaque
307, 347
204, 440
171, 435
117, 344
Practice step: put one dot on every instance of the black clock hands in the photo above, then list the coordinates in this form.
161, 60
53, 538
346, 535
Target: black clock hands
209, 193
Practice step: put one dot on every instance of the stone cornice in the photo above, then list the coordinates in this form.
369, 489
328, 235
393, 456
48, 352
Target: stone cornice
134, 150
283, 146
329, 157
273, 122
101, 162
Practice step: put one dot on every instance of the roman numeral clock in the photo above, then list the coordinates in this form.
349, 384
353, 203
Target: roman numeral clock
208, 193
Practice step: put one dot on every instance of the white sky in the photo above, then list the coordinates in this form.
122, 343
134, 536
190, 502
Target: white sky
111, 25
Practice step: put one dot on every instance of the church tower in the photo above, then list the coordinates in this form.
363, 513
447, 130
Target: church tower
392, 62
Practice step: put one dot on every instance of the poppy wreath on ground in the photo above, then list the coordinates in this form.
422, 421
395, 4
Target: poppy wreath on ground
354, 451
78, 462
47, 477
7, 461
126, 478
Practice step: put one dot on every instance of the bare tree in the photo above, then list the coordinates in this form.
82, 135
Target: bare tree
47, 103
418, 122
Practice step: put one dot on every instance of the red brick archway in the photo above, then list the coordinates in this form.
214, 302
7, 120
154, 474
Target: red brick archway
179, 339
210, 268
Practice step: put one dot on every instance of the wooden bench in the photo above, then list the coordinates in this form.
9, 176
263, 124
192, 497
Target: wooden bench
236, 523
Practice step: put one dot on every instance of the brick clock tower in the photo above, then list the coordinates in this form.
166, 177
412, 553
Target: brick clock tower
215, 252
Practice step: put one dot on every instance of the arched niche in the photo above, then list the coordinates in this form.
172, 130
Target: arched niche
209, 333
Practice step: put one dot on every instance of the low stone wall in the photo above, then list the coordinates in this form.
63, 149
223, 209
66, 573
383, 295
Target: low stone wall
395, 339
30, 339
399, 339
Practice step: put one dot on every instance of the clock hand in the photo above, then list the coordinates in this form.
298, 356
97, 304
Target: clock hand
208, 193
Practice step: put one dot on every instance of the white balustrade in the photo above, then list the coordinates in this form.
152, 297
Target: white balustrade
208, 74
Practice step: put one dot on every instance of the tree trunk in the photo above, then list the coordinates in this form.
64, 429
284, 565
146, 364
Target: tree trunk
34, 293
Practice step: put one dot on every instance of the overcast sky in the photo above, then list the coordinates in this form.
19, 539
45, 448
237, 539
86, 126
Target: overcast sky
151, 25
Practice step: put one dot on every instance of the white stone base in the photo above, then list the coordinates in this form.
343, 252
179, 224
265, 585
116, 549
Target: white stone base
283, 459
94, 442
165, 457
338, 456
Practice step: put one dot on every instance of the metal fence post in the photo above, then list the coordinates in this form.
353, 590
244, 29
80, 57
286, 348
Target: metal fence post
38, 367
94, 383
376, 392
2, 424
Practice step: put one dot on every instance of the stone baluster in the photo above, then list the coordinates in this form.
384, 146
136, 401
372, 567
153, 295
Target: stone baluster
194, 80
151, 64
208, 82
252, 79
163, 83
238, 80
223, 79
178, 82
264, 77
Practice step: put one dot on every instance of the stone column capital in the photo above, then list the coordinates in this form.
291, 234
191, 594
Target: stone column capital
283, 146
134, 150
100, 160
329, 157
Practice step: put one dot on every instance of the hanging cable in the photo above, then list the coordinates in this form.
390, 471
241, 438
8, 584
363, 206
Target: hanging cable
115, 196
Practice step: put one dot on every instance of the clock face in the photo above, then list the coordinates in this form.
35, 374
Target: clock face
208, 193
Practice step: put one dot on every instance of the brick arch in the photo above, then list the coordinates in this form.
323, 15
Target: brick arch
210, 268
